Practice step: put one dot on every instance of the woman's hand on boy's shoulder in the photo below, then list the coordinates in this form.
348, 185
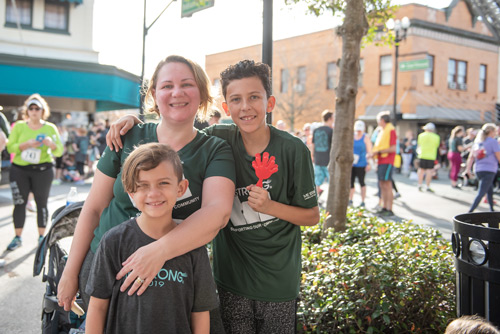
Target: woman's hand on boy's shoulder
119, 128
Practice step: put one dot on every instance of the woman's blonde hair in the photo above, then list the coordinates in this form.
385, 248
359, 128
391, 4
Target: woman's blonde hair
45, 106
485, 131
201, 78
456, 129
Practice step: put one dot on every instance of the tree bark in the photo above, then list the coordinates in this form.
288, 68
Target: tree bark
352, 31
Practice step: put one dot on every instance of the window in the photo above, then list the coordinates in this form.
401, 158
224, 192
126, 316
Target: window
457, 74
331, 75
361, 72
22, 11
56, 15
385, 70
301, 79
429, 72
482, 78
285, 81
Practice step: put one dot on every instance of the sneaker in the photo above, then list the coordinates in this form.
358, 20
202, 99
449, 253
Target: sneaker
429, 190
362, 205
350, 203
397, 195
386, 213
420, 188
40, 239
15, 243
2, 263
56, 182
31, 206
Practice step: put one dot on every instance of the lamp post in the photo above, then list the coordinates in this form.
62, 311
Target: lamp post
400, 28
145, 30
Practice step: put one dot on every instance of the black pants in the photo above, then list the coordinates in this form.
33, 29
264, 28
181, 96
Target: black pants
25, 179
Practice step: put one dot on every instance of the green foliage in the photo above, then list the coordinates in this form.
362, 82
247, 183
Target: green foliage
376, 277
378, 12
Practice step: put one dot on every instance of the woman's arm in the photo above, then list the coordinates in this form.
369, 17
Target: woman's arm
497, 155
96, 316
97, 200
259, 200
200, 322
195, 231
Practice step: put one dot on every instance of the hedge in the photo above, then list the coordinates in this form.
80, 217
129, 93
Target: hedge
376, 277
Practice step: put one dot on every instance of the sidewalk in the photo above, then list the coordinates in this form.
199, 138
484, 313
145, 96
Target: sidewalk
423, 208
21, 294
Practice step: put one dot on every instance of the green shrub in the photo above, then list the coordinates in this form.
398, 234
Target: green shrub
376, 277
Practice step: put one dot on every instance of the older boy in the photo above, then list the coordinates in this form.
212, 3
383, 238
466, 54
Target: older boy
257, 256
180, 296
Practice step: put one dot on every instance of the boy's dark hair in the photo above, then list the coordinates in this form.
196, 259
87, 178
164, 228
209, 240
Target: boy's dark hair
471, 324
385, 116
247, 69
327, 114
146, 157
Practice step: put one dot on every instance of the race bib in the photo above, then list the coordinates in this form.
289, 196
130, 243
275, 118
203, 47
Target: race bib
31, 155
356, 159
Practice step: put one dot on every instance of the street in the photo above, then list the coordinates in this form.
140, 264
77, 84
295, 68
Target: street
21, 293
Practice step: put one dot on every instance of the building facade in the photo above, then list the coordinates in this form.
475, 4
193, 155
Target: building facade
46, 48
457, 86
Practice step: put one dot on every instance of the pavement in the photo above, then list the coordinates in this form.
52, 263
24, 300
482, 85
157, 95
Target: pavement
423, 208
21, 294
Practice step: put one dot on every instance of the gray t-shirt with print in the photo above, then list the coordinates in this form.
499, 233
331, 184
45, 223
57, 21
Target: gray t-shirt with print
185, 284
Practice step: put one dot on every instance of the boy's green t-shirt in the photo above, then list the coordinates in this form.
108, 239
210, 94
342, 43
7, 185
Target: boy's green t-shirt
202, 158
259, 256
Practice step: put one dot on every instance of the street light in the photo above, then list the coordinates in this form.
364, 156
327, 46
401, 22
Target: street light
400, 28
145, 30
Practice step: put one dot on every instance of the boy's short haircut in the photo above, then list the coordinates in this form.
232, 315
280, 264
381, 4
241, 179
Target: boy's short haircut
327, 114
216, 114
471, 324
247, 69
385, 116
146, 157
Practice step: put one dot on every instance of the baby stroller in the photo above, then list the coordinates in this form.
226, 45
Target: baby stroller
54, 318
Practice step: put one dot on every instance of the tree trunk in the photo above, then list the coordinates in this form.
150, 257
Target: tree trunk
352, 31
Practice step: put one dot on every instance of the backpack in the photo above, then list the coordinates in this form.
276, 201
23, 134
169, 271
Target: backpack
478, 151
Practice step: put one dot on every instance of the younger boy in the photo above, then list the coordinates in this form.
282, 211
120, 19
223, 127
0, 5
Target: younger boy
183, 291
257, 256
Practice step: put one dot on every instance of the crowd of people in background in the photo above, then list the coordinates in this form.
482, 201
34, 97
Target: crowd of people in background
418, 156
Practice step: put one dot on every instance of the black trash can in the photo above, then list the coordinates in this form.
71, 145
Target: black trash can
476, 245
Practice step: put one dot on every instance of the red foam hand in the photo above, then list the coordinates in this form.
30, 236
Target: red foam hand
264, 168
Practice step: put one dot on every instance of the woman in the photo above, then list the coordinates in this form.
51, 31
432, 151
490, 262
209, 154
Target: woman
454, 153
33, 141
362, 148
486, 166
178, 90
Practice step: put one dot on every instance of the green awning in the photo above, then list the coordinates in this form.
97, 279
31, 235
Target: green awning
78, 2
110, 87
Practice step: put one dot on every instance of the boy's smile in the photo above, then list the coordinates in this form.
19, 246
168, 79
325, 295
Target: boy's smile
157, 191
247, 104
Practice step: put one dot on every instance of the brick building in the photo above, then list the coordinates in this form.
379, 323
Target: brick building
458, 87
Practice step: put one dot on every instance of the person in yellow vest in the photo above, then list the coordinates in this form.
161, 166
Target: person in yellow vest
427, 148
384, 151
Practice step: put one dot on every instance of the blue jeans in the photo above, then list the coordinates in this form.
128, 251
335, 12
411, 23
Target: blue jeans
485, 187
